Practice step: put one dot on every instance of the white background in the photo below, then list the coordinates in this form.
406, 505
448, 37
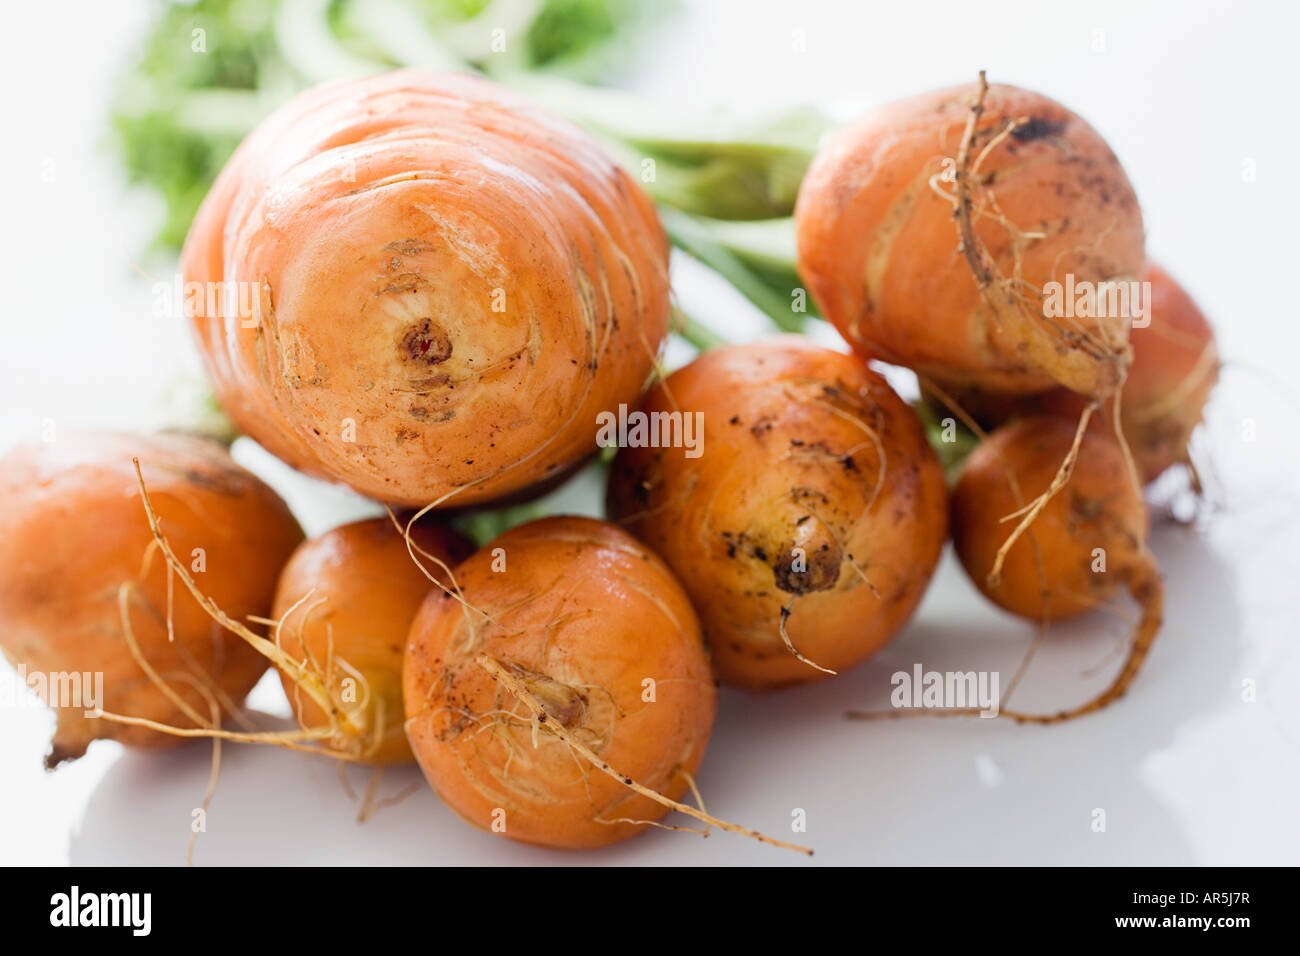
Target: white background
1190, 95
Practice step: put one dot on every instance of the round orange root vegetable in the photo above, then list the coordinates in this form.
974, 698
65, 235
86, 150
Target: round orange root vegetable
1087, 542
569, 627
1175, 367
445, 286
345, 602
86, 600
929, 231
807, 530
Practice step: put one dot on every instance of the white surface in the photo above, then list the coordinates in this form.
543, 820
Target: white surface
1186, 770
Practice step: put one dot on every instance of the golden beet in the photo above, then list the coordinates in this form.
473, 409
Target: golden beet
816, 507
882, 251
1087, 542
357, 589
1175, 367
73, 533
593, 629
442, 286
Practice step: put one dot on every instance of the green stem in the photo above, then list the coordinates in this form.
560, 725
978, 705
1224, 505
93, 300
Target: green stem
765, 245
696, 332
690, 235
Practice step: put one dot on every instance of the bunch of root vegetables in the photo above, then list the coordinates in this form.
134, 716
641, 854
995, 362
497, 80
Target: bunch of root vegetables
451, 287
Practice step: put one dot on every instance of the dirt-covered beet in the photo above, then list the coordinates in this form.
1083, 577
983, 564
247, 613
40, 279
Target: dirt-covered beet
929, 231
807, 528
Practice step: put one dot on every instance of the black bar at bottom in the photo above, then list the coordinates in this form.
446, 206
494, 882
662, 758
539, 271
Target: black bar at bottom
378, 907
